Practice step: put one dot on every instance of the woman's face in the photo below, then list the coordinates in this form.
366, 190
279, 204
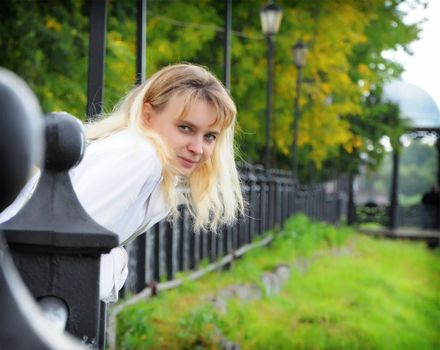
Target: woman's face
192, 138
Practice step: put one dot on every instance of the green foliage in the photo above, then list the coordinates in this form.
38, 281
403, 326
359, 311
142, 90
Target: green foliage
304, 235
377, 216
198, 329
46, 44
355, 297
135, 328
360, 301
120, 59
342, 117
181, 318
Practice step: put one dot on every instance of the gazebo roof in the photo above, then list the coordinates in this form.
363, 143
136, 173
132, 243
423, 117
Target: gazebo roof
415, 104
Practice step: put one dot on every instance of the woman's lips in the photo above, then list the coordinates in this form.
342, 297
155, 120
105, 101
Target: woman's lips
188, 163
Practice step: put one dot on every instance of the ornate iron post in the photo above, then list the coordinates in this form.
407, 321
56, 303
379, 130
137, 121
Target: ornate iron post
21, 141
55, 244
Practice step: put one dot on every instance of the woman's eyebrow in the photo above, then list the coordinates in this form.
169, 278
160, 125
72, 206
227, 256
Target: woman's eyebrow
195, 127
214, 132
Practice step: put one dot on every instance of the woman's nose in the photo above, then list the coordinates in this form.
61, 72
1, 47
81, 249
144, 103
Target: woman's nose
196, 146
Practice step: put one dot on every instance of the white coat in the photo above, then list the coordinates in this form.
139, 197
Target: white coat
118, 183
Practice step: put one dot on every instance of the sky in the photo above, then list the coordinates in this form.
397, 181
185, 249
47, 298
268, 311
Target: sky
423, 68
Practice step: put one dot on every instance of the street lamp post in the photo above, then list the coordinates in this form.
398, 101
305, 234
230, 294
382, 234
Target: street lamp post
299, 56
270, 23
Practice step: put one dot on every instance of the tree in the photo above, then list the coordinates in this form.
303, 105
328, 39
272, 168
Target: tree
46, 44
342, 116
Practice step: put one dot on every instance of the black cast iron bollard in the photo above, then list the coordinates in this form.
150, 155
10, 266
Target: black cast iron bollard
21, 135
55, 244
21, 139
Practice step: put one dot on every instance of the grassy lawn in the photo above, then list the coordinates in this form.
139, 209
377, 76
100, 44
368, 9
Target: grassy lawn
346, 291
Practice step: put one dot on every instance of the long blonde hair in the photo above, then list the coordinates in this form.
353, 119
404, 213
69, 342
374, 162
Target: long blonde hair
214, 195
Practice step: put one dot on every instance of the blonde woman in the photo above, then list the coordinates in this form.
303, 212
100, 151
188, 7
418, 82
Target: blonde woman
174, 130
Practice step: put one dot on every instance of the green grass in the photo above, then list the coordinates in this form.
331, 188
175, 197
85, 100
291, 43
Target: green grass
371, 225
373, 294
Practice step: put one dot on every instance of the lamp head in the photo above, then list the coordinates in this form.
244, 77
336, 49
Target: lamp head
299, 53
271, 16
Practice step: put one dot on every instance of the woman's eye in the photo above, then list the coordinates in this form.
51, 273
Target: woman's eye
211, 137
184, 128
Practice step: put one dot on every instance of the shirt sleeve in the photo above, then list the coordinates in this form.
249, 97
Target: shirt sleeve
113, 273
112, 176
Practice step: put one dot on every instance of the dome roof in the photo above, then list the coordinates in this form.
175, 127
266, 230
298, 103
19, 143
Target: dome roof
415, 104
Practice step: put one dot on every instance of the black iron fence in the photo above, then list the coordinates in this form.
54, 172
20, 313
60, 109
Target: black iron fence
272, 197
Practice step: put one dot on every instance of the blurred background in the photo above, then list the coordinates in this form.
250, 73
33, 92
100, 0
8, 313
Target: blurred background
339, 99
336, 100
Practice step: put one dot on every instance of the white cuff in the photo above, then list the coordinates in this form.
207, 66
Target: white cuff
114, 271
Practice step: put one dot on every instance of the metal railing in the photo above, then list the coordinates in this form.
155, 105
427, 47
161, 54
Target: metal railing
272, 197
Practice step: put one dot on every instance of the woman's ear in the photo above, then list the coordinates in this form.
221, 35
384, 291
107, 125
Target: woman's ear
147, 113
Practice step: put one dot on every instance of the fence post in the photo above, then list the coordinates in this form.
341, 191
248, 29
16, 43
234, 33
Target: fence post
253, 206
258, 202
291, 195
244, 224
264, 192
141, 245
55, 244
186, 236
21, 138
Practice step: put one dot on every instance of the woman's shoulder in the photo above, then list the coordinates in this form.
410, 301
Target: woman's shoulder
126, 144
125, 138
118, 156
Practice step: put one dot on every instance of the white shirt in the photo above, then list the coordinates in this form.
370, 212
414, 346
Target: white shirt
118, 184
